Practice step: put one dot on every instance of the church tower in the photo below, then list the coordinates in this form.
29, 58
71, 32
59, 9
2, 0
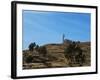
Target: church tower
63, 38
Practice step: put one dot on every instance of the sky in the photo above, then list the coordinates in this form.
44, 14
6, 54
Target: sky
48, 27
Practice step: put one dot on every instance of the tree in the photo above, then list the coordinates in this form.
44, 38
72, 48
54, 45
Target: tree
37, 47
69, 51
32, 46
74, 53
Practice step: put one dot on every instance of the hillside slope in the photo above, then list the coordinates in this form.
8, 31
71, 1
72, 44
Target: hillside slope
55, 57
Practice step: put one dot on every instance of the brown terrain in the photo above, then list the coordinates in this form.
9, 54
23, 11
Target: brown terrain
55, 56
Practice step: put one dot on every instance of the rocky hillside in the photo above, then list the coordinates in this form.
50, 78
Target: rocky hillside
55, 56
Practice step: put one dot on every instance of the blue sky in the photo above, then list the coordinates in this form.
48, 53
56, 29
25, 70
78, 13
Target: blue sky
48, 27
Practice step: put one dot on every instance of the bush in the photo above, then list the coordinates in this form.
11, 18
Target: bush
69, 51
37, 48
32, 46
74, 53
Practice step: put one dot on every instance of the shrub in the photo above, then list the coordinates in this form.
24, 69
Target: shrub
37, 47
69, 51
74, 53
32, 46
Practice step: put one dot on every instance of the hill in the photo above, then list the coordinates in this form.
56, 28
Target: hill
56, 57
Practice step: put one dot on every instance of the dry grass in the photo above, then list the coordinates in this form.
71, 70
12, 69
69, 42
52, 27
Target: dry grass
55, 57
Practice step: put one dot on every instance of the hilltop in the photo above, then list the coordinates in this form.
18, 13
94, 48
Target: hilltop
54, 55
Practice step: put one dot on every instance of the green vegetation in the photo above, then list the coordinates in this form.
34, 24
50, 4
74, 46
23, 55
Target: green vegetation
74, 54
32, 46
35, 51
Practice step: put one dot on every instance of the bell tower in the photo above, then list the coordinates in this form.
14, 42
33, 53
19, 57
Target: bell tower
63, 38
